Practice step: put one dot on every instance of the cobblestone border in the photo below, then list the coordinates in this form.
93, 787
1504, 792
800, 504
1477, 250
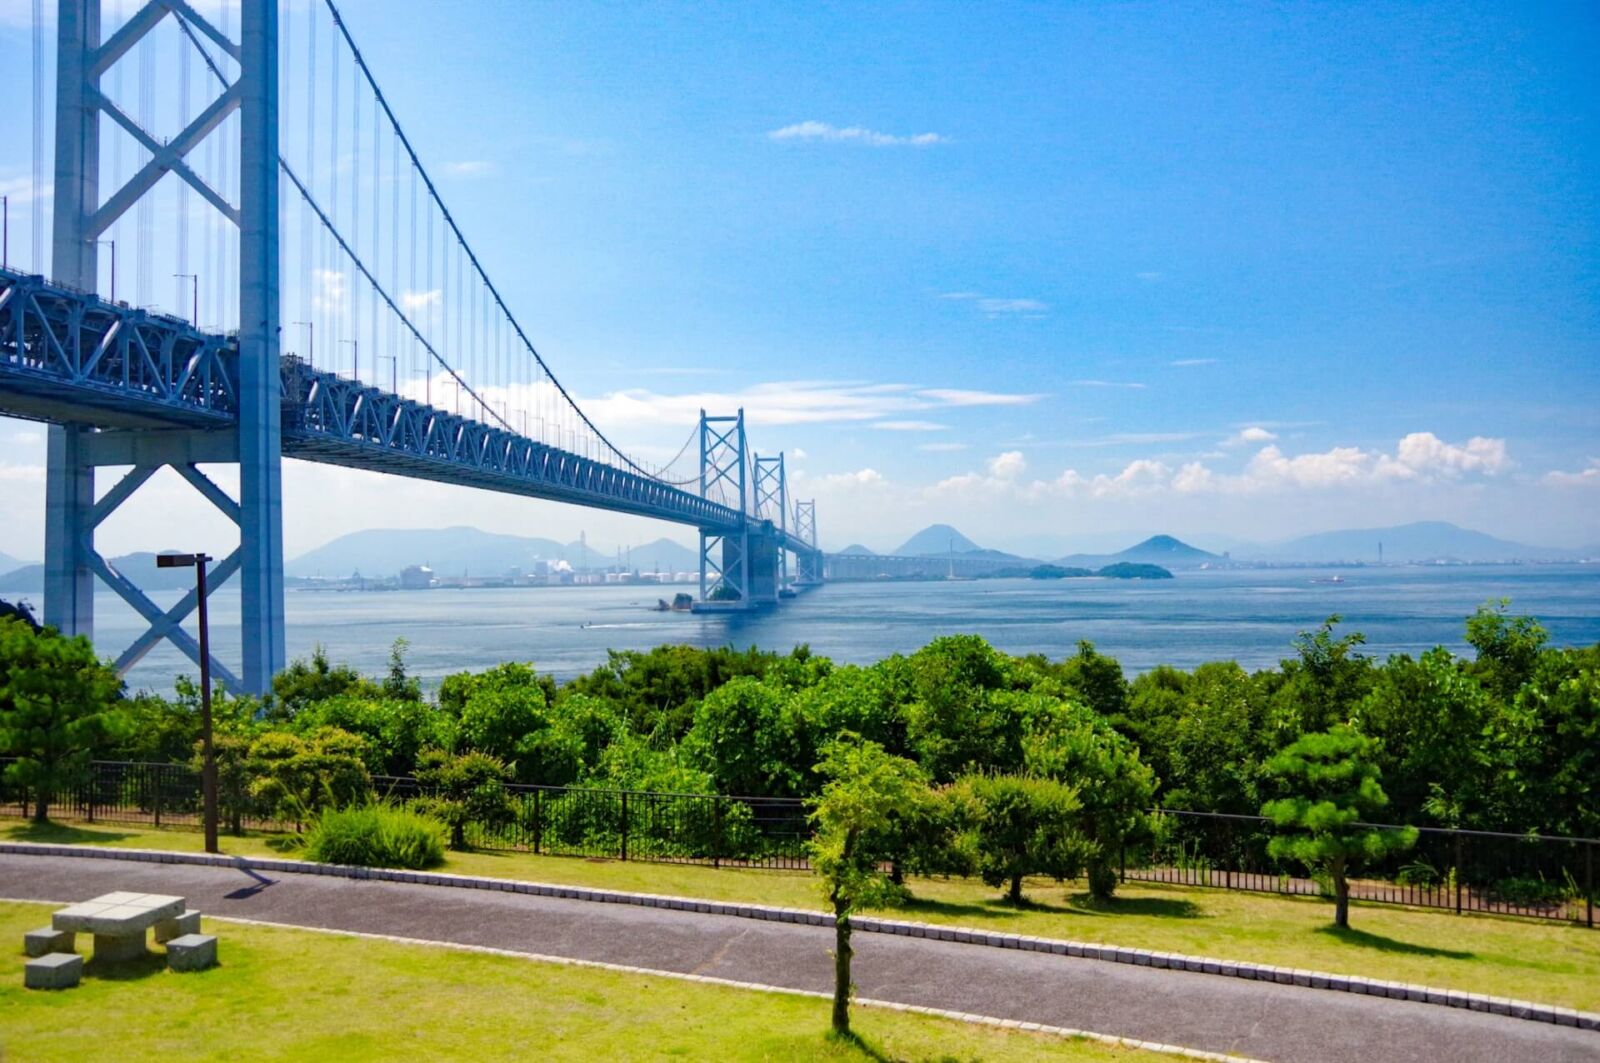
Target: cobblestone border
1516, 1009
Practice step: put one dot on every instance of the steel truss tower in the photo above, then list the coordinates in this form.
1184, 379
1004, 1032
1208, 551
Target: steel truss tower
772, 503
82, 215
808, 565
725, 555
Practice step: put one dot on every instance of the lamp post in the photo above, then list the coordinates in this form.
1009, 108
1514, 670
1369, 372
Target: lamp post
208, 770
355, 358
311, 342
394, 372
113, 246
194, 315
5, 232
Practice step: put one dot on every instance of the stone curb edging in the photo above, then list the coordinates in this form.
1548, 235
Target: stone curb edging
760, 987
1516, 1009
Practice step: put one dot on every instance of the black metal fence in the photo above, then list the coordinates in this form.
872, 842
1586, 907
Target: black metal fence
764, 832
1537, 876
1540, 876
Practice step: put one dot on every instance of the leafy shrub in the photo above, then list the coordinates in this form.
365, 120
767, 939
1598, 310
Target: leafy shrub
376, 836
464, 790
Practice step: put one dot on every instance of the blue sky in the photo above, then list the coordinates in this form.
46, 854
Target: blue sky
1051, 273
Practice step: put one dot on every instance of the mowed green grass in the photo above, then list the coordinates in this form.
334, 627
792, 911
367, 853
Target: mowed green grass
297, 995
1554, 963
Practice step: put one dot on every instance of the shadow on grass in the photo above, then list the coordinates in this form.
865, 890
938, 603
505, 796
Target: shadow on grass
62, 834
1368, 940
860, 1044
987, 909
1159, 907
145, 966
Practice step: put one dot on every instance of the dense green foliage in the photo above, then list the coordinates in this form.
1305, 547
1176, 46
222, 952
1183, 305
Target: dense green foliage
1507, 739
55, 709
376, 835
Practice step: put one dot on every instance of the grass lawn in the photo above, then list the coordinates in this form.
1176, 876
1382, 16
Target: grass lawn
297, 995
1554, 963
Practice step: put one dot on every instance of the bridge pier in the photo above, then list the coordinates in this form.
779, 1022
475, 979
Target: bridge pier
68, 532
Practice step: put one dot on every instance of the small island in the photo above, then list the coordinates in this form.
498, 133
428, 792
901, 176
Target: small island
1120, 570
1134, 570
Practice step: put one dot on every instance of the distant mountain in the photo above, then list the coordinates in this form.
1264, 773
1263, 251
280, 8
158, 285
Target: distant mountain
1433, 540
9, 563
140, 568
858, 550
938, 539
462, 551
1161, 550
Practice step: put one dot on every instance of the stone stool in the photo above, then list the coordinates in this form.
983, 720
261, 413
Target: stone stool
192, 952
57, 970
45, 940
177, 927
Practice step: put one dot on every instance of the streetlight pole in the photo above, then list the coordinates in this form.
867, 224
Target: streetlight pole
113, 245
311, 342
208, 770
5, 232
394, 372
194, 317
355, 358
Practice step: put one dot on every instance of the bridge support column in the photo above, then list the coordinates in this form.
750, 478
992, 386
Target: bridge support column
68, 532
260, 447
762, 566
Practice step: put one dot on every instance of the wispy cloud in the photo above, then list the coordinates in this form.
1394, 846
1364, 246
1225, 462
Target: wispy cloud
469, 168
1585, 477
961, 397
822, 131
1182, 363
1251, 434
1150, 276
995, 306
1107, 384
909, 426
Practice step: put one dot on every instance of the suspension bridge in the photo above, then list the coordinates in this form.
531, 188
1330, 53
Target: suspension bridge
324, 306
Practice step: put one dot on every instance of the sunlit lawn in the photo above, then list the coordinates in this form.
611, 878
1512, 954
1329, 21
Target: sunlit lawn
1530, 959
297, 995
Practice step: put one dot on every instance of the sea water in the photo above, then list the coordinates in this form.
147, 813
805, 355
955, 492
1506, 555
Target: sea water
1251, 616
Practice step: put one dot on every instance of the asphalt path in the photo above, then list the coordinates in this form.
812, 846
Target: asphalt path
1285, 1024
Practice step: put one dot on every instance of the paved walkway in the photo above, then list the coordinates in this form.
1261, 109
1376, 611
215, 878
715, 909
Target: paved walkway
1285, 1024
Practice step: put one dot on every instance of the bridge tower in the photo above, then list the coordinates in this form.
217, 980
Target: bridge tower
81, 217
772, 503
725, 554
808, 564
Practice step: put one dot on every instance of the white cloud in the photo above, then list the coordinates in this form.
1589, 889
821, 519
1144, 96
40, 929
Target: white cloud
1186, 362
860, 478
1247, 436
822, 131
1012, 306
1008, 466
19, 190
1426, 453
469, 168
21, 474
1106, 384
959, 397
1588, 476
798, 454
909, 426
411, 301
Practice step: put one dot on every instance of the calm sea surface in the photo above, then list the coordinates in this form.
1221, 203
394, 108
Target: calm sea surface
1250, 616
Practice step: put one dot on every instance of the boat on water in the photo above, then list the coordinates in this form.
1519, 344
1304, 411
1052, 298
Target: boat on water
1328, 579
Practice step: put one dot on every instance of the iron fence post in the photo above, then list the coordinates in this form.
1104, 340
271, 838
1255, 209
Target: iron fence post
624, 824
1459, 875
716, 834
538, 823
1588, 884
155, 785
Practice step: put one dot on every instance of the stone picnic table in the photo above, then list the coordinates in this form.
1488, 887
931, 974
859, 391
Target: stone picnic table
119, 921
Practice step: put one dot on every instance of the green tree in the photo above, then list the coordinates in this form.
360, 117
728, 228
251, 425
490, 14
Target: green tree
1097, 679
1075, 745
460, 790
1508, 647
960, 719
747, 735
57, 704
305, 682
866, 794
397, 685
1332, 781
1016, 826
1322, 685
296, 777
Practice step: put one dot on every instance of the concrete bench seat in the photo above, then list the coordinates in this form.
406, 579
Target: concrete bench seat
45, 940
186, 923
57, 970
192, 952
